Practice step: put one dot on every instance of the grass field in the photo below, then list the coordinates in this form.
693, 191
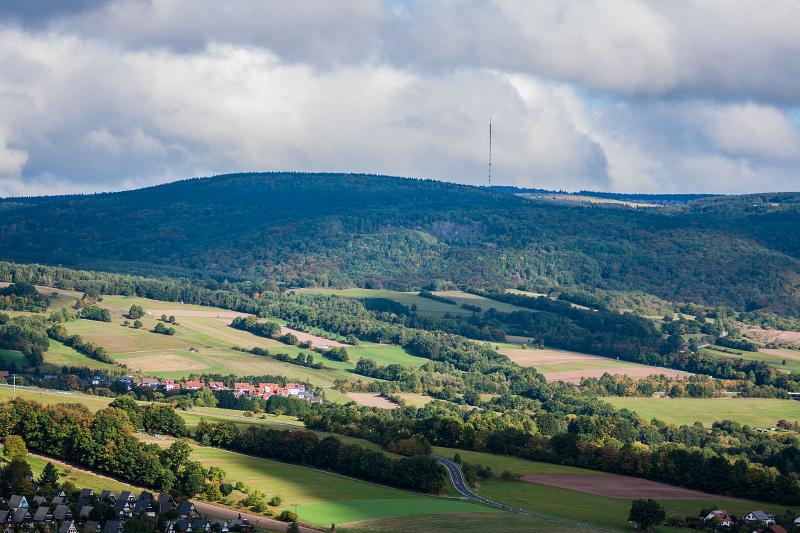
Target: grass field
773, 360
599, 511
759, 412
322, 497
460, 523
425, 306
12, 358
515, 465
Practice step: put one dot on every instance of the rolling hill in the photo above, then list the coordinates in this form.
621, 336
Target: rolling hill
378, 231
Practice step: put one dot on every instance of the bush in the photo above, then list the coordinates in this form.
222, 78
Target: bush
275, 501
288, 516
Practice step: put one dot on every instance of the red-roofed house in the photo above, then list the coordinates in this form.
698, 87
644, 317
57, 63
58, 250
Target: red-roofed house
217, 385
243, 388
169, 384
193, 385
295, 388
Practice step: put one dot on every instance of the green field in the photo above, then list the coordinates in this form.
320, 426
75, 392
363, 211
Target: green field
9, 358
460, 523
515, 465
425, 306
775, 361
322, 497
759, 412
597, 510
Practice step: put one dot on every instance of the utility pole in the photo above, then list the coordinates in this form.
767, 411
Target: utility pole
490, 151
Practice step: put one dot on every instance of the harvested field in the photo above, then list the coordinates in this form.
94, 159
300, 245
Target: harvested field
315, 340
575, 376
786, 338
371, 399
548, 356
615, 486
563, 365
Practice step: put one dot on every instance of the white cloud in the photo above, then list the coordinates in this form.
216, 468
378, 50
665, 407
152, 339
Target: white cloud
611, 94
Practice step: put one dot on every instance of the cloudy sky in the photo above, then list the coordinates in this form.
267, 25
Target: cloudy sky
622, 95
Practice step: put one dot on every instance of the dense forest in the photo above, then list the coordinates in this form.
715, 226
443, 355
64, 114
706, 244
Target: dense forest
377, 231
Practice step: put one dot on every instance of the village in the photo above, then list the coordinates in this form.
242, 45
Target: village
106, 512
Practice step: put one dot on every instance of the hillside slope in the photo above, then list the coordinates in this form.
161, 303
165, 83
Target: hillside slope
334, 229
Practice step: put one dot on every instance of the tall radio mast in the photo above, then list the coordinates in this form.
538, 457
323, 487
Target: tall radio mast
490, 151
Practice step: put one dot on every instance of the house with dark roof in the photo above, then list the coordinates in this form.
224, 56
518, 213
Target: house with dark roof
68, 526
201, 524
86, 494
85, 511
43, 515
187, 510
6, 519
123, 508
38, 500
22, 517
62, 512
127, 496
18, 502
165, 503
92, 526
108, 496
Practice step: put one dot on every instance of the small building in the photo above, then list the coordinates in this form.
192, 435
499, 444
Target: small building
201, 525
43, 515
68, 526
62, 512
22, 518
193, 385
187, 510
217, 386
92, 526
295, 388
127, 496
240, 389
150, 383
108, 496
759, 517
18, 502
169, 384
39, 500
720, 516
123, 509
165, 503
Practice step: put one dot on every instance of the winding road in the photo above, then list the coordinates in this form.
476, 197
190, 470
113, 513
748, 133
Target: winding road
460, 484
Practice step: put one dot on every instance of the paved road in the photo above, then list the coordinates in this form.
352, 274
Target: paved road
460, 484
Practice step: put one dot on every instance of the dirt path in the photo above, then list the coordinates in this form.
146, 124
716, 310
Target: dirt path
202, 507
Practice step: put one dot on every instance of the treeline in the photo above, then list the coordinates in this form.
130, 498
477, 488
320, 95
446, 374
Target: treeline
436, 297
23, 296
251, 324
59, 333
26, 335
737, 344
694, 386
419, 473
103, 441
618, 442
152, 418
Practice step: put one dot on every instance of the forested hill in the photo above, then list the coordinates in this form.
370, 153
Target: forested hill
334, 229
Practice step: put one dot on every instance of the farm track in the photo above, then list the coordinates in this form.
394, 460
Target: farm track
460, 484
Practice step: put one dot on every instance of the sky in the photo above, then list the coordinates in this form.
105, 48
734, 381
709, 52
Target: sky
665, 96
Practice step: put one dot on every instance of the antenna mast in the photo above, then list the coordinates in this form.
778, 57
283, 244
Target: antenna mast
490, 151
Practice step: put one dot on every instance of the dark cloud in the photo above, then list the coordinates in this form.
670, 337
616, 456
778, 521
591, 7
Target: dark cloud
40, 12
